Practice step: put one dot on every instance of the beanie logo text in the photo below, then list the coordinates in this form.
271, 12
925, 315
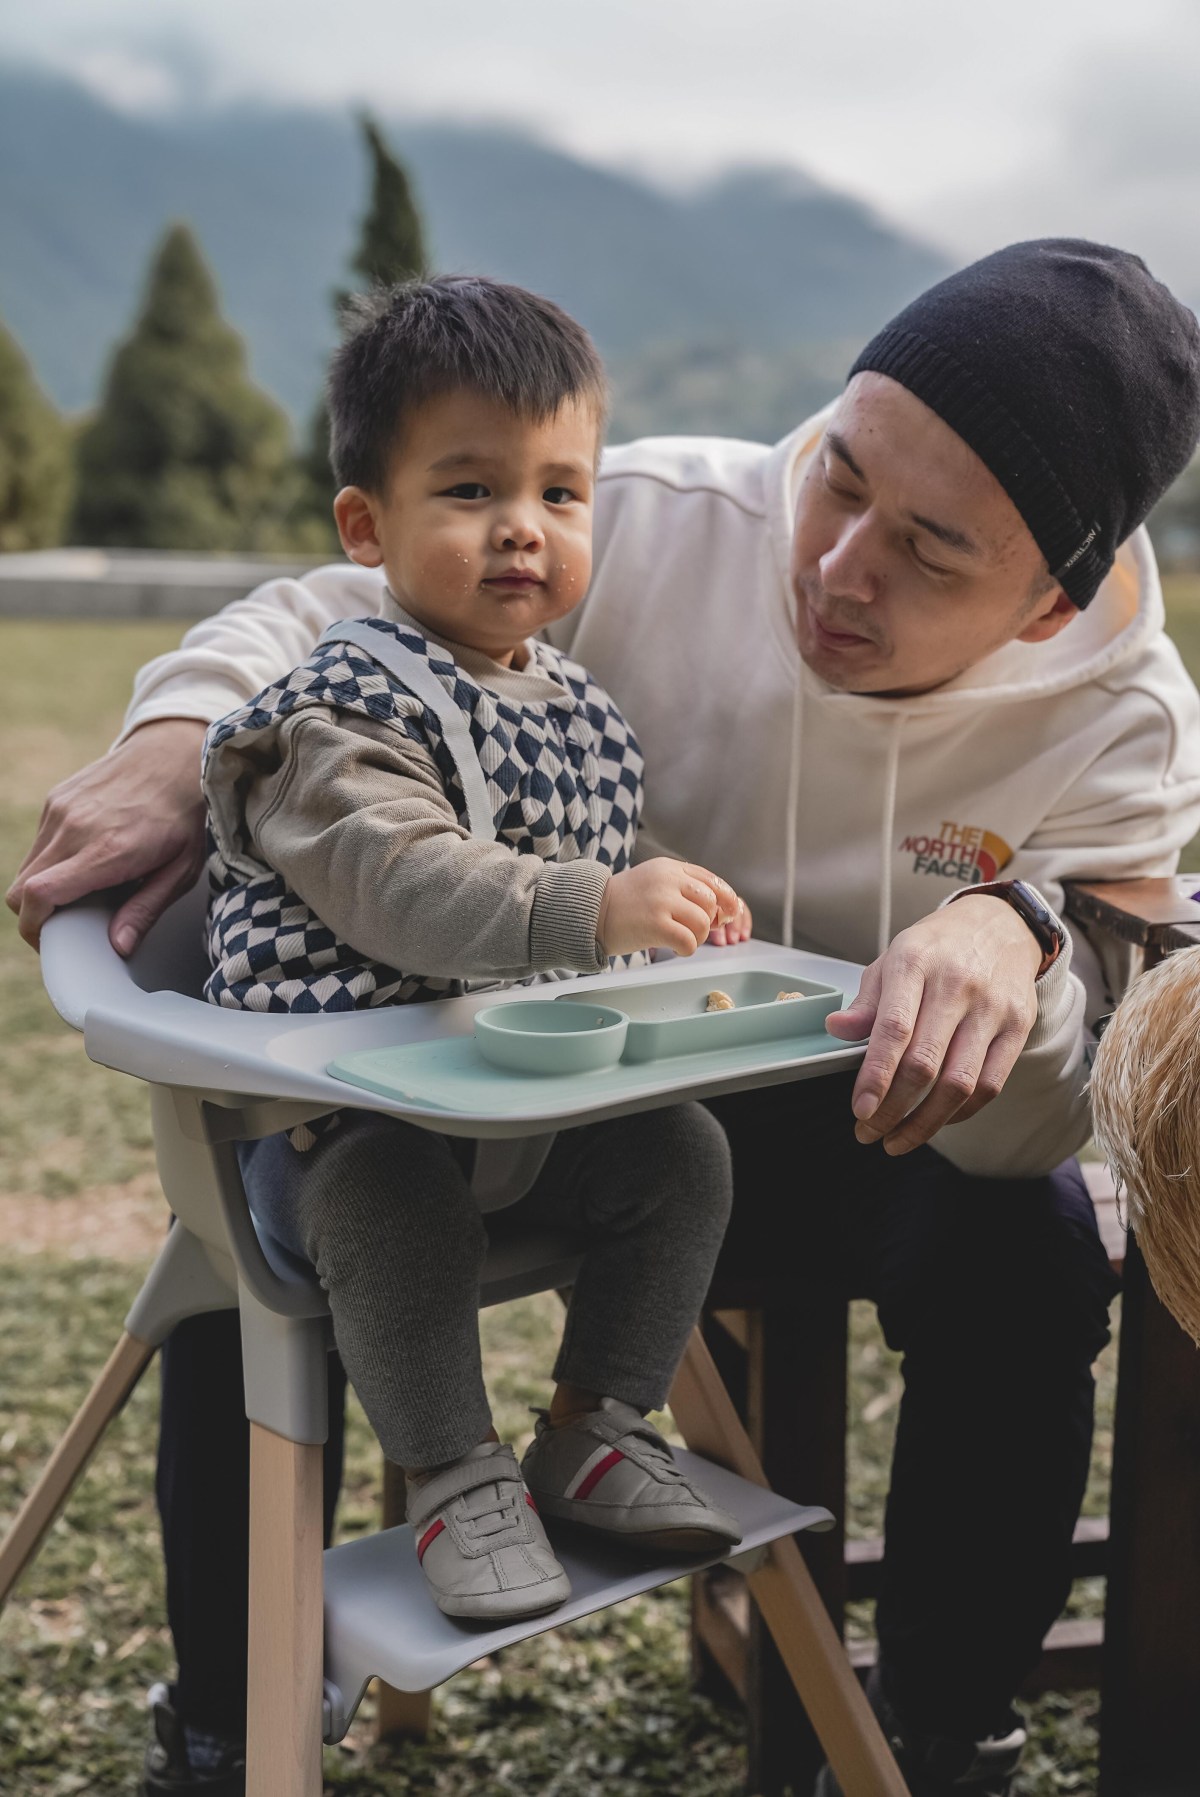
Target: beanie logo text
1083, 548
964, 852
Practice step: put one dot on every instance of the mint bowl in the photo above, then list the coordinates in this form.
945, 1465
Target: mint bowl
541, 1036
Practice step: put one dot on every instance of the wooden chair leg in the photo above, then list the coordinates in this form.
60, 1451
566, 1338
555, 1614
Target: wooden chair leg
125, 1366
284, 1690
399, 1715
785, 1593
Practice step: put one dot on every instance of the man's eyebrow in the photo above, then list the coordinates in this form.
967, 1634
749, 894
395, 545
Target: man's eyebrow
841, 449
946, 533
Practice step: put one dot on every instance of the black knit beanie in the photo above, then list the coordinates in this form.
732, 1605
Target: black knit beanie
1074, 376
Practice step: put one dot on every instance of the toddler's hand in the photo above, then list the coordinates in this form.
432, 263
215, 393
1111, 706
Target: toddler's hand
663, 904
740, 928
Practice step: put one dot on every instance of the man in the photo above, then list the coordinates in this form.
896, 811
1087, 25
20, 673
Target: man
873, 669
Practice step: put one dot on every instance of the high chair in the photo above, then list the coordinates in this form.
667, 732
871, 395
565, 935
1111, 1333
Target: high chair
323, 1624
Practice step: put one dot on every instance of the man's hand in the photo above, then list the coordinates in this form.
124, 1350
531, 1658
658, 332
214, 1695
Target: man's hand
136, 814
662, 904
948, 1009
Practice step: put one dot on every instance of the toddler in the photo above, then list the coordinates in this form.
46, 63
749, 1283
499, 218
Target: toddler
434, 803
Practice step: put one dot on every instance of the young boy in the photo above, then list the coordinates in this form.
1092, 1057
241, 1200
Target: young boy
352, 868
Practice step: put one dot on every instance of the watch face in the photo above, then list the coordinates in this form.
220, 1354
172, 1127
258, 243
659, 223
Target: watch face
1038, 915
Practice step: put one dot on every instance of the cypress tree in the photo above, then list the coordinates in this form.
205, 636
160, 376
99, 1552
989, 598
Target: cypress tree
391, 244
391, 248
35, 457
185, 452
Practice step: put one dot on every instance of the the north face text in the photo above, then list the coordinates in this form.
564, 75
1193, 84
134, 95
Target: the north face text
964, 852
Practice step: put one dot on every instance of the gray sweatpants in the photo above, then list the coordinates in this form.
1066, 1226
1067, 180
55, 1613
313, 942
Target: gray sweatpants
384, 1213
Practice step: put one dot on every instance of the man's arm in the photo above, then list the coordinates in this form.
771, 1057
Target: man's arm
136, 814
224, 660
954, 1009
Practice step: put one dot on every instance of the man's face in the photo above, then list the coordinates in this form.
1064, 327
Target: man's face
909, 561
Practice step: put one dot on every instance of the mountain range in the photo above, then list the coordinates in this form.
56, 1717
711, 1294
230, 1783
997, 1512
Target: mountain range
729, 307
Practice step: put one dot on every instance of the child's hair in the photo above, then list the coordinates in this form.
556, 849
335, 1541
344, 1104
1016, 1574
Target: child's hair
423, 339
1145, 1089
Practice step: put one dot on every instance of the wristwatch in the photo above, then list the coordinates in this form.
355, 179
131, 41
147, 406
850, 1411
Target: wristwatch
1032, 908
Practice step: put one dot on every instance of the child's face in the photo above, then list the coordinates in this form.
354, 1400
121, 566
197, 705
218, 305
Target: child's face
484, 525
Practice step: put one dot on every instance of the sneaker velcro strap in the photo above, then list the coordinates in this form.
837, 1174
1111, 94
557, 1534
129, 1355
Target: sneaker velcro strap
468, 1475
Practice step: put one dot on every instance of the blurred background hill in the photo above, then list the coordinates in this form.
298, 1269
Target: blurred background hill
733, 307
730, 304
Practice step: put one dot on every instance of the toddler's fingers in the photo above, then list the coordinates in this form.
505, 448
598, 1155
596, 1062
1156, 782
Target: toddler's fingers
678, 938
725, 899
693, 918
697, 893
728, 904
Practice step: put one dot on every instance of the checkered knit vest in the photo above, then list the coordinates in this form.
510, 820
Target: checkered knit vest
561, 779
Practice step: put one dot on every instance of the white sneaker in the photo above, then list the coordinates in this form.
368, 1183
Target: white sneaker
611, 1470
480, 1541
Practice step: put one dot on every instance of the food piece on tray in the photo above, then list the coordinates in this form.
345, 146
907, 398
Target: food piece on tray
780, 996
718, 1001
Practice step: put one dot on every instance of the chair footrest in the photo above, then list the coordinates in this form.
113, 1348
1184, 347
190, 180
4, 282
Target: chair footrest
380, 1620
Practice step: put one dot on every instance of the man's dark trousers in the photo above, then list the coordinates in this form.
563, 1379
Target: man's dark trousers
203, 1490
996, 1292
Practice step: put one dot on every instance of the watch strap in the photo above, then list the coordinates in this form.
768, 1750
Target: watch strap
1032, 908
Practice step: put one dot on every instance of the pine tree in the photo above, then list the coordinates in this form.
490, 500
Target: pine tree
35, 458
391, 248
185, 452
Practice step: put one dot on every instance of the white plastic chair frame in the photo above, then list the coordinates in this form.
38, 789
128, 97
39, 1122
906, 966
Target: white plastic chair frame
320, 1626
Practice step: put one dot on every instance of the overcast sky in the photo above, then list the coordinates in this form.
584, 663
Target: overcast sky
974, 123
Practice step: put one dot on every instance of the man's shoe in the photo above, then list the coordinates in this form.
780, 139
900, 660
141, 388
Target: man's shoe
480, 1540
612, 1471
167, 1768
938, 1765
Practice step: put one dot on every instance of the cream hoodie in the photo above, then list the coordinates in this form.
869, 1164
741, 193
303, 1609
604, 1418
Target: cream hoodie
1075, 758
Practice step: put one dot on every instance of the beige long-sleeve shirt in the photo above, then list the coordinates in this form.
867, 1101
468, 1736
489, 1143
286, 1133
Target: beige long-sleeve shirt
353, 813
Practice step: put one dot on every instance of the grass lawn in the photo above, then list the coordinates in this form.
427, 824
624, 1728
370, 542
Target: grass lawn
600, 1709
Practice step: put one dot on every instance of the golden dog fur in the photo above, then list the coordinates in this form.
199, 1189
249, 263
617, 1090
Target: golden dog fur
1146, 1107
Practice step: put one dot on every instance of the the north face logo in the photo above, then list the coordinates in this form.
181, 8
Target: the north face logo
963, 852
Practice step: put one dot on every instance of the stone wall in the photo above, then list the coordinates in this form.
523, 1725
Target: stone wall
131, 583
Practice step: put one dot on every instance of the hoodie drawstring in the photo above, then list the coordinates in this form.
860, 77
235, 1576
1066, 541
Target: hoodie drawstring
793, 806
887, 825
792, 822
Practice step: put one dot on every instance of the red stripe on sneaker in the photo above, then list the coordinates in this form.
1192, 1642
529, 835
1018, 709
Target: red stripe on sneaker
597, 1473
431, 1534
532, 1505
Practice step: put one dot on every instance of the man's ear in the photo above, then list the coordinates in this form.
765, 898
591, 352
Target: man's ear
1050, 619
354, 515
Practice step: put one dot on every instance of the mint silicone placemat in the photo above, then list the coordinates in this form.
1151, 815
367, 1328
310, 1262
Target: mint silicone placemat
451, 1076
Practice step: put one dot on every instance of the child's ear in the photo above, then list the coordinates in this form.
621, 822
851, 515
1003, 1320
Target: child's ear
354, 515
